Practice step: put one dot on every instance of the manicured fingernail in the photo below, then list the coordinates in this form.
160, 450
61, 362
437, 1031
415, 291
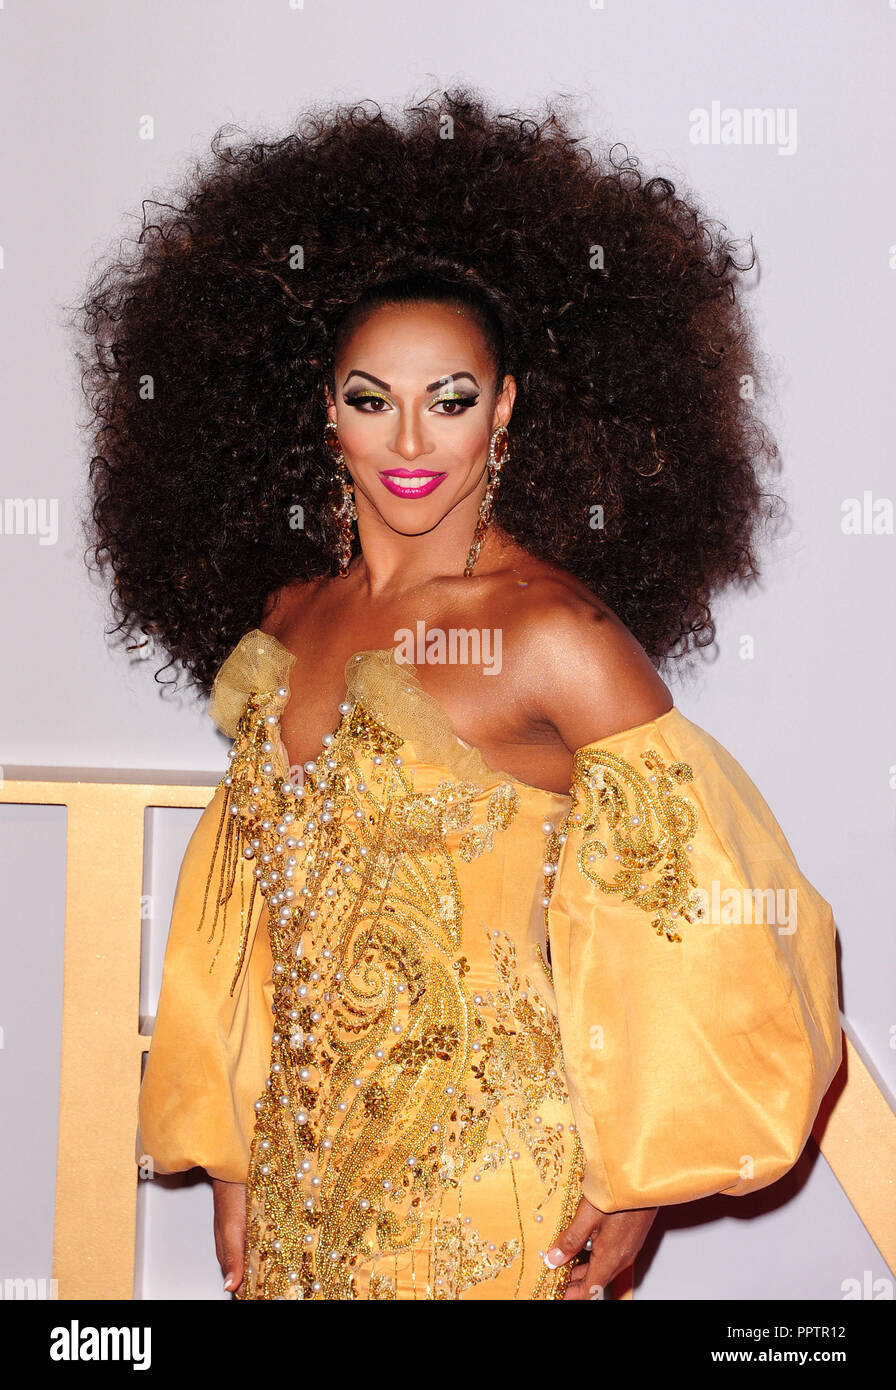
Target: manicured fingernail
553, 1258
227, 1283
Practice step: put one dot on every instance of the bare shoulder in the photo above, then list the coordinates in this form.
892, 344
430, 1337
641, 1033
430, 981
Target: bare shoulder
586, 675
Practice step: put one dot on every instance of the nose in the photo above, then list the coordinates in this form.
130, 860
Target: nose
409, 440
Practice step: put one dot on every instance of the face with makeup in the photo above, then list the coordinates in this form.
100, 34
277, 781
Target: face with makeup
415, 408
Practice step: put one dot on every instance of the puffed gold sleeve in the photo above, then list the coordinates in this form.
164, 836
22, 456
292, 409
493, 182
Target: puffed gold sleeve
210, 1048
210, 1051
694, 970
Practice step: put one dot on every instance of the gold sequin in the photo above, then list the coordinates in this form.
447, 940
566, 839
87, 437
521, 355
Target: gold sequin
649, 827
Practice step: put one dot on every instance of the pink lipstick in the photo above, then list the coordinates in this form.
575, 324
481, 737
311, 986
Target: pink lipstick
407, 482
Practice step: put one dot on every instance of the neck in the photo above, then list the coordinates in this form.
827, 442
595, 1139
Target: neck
391, 564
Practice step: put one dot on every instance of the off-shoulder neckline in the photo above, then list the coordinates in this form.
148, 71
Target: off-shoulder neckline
658, 719
670, 715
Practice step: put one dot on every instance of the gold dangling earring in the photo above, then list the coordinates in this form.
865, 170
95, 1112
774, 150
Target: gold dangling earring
498, 454
346, 512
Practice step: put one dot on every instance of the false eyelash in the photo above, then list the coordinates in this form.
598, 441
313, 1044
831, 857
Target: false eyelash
463, 401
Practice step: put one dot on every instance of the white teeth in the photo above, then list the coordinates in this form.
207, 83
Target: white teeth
413, 482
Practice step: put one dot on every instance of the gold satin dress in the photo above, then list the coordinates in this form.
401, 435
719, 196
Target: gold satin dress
420, 1007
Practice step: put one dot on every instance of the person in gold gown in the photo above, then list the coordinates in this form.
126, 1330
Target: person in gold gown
482, 950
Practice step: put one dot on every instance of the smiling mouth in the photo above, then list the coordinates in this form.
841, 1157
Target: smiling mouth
407, 483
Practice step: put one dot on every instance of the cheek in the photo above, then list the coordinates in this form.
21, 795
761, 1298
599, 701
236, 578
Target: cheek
470, 440
356, 440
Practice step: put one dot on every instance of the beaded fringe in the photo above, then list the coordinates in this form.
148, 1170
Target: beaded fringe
229, 849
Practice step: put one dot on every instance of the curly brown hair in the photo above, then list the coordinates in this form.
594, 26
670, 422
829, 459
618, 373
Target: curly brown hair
610, 299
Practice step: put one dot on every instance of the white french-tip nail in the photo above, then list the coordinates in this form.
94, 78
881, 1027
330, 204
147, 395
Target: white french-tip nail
551, 1264
227, 1283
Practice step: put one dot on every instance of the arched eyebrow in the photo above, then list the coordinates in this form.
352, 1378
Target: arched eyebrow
384, 385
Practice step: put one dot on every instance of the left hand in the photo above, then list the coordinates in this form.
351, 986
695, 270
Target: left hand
616, 1237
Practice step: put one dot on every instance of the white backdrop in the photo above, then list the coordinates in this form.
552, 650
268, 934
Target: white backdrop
799, 687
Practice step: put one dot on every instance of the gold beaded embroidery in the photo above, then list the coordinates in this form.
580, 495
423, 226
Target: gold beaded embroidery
463, 1258
365, 1123
651, 830
544, 963
522, 1061
423, 820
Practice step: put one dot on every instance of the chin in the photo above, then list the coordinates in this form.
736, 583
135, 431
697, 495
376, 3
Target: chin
402, 527
414, 518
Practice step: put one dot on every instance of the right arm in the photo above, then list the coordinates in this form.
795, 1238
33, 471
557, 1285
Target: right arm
210, 1050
